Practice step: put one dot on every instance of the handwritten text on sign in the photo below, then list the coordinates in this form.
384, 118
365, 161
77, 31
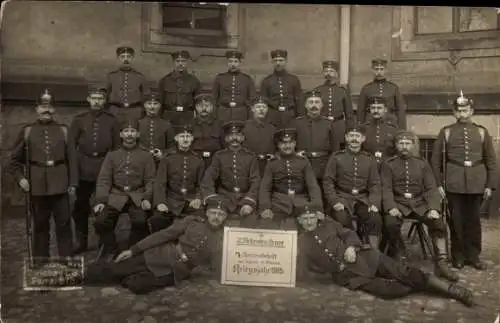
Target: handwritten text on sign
257, 257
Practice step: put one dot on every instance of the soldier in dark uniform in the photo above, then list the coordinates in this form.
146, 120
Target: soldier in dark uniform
207, 130
352, 187
178, 90
124, 185
283, 90
156, 133
52, 173
327, 247
381, 87
92, 134
126, 87
466, 177
233, 91
259, 133
233, 177
409, 190
164, 258
316, 137
177, 185
380, 130
288, 182
337, 104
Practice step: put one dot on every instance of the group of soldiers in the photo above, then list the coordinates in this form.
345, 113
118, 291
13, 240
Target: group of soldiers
182, 163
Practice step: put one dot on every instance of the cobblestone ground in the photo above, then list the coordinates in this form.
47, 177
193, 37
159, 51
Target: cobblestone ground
204, 299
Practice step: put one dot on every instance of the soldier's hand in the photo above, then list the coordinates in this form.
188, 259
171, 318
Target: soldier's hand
98, 208
267, 214
373, 209
71, 190
433, 214
162, 208
301, 153
158, 154
350, 255
442, 192
395, 212
24, 184
338, 207
487, 193
195, 204
246, 210
124, 255
146, 205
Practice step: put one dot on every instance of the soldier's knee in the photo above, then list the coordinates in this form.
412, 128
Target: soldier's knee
374, 222
436, 228
392, 224
343, 218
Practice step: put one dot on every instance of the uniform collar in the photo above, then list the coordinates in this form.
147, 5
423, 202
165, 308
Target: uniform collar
209, 120
126, 68
330, 83
318, 117
233, 72
280, 73
258, 123
356, 153
46, 123
382, 80
178, 74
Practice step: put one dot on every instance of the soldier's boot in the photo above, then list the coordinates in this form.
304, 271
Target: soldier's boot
82, 244
454, 291
441, 267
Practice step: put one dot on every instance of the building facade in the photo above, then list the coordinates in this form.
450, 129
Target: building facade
433, 52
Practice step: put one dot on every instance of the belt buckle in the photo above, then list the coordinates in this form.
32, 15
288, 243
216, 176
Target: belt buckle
408, 195
183, 257
126, 105
183, 190
50, 163
331, 118
281, 108
95, 154
232, 104
378, 154
179, 109
126, 188
261, 156
467, 163
206, 154
314, 154
236, 189
291, 192
354, 191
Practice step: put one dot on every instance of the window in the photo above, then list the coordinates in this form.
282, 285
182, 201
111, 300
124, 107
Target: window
426, 145
194, 18
447, 20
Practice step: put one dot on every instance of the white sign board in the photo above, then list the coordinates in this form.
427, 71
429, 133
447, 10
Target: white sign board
258, 257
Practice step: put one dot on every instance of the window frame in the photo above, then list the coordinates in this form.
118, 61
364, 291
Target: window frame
422, 139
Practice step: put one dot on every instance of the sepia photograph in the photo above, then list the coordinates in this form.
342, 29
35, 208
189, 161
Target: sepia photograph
210, 162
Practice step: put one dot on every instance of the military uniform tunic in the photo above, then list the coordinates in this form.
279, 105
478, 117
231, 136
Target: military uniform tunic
177, 92
288, 182
337, 106
156, 133
259, 139
126, 90
317, 137
352, 178
236, 87
208, 138
178, 180
284, 92
233, 177
390, 92
380, 138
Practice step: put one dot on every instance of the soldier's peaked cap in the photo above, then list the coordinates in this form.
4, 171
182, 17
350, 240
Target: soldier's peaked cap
130, 123
185, 128
97, 88
216, 204
462, 101
331, 64
376, 100
153, 95
234, 54
379, 62
203, 97
312, 93
356, 128
285, 134
279, 53
260, 100
125, 49
233, 127
306, 209
405, 134
182, 53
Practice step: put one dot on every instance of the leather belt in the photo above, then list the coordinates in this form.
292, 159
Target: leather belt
95, 154
127, 188
407, 196
205, 154
317, 154
353, 191
48, 163
264, 156
466, 163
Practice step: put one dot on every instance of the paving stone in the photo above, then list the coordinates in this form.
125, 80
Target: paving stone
149, 319
159, 309
139, 306
265, 307
109, 291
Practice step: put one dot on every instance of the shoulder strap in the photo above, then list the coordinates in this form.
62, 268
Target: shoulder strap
481, 133
446, 134
27, 131
65, 133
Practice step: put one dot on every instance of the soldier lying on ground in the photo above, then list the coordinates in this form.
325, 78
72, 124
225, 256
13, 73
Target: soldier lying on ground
164, 258
329, 248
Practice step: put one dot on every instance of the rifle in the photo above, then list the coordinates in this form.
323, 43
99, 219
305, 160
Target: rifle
445, 211
29, 213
